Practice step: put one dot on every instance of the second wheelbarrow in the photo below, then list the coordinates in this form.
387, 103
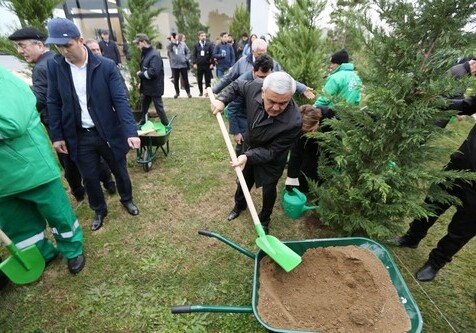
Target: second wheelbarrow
300, 247
150, 144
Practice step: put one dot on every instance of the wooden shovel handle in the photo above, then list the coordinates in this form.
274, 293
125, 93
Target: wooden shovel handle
232, 153
4, 238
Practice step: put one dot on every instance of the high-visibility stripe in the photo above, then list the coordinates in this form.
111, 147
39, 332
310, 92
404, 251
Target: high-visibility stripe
67, 234
30, 241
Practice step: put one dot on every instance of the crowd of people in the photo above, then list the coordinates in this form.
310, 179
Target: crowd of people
81, 99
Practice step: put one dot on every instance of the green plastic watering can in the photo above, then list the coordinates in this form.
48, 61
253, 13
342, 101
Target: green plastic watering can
294, 203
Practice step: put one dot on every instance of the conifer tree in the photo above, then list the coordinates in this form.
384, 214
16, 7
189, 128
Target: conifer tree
298, 45
378, 163
240, 22
187, 18
138, 20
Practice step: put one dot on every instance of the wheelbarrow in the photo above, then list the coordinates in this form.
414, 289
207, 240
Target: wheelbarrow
150, 144
300, 247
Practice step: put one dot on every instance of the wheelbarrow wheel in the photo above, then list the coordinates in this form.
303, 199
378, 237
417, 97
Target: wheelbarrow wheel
147, 161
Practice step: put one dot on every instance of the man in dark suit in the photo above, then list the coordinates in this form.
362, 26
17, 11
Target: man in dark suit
90, 115
203, 60
274, 123
151, 76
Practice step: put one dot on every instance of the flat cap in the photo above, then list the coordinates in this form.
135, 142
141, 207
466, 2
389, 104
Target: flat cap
140, 38
27, 33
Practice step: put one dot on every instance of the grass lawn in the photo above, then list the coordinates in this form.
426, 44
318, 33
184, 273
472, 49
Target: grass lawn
138, 267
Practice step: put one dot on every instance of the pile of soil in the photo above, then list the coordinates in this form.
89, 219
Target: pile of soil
335, 289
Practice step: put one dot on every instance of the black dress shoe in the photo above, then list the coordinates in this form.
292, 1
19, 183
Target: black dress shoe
131, 208
404, 241
75, 265
98, 221
427, 273
234, 213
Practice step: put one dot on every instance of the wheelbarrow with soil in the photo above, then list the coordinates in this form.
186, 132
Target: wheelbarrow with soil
413, 317
153, 136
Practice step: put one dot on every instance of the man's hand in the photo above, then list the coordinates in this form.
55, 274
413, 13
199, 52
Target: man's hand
238, 138
134, 142
138, 73
240, 162
60, 147
217, 106
309, 94
195, 66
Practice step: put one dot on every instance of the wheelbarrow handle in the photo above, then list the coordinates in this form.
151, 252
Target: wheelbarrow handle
171, 120
178, 309
227, 242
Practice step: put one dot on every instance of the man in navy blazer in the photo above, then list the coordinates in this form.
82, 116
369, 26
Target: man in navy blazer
90, 115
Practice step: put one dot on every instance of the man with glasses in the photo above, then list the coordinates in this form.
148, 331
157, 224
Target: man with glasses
90, 115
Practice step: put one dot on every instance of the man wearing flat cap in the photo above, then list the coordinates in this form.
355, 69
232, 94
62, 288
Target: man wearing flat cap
90, 115
343, 82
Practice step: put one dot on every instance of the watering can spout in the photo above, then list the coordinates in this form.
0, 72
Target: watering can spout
308, 208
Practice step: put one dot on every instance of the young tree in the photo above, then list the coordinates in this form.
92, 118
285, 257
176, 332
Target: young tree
298, 45
187, 18
138, 20
30, 13
378, 163
240, 22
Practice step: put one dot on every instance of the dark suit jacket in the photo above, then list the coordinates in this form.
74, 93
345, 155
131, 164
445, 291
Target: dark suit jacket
267, 140
106, 100
110, 50
152, 73
39, 79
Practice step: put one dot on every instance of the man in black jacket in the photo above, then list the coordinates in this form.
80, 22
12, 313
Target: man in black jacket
151, 76
203, 60
274, 122
109, 48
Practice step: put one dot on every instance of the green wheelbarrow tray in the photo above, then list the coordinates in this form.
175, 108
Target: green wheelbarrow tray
300, 247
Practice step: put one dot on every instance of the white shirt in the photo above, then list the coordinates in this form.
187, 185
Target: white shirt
79, 75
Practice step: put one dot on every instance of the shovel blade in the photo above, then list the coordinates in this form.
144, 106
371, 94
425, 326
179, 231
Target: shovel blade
25, 266
279, 252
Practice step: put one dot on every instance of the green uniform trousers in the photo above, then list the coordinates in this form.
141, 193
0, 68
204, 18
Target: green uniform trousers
23, 217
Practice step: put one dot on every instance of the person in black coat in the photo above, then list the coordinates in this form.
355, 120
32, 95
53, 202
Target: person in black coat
109, 48
462, 227
203, 61
151, 76
274, 122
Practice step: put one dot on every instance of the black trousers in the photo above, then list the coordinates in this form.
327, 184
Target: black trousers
204, 72
461, 229
269, 196
159, 107
91, 147
176, 72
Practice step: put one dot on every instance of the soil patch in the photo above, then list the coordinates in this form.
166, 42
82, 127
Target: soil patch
335, 289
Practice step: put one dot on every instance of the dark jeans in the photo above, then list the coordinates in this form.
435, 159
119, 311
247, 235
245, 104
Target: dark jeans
176, 72
201, 72
91, 147
269, 196
159, 107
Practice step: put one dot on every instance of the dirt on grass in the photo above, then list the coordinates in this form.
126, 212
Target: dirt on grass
335, 289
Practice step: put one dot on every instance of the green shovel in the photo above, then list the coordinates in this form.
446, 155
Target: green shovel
273, 247
23, 266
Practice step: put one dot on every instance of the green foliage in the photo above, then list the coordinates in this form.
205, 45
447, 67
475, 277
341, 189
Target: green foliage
187, 18
298, 45
139, 20
240, 22
404, 81
32, 13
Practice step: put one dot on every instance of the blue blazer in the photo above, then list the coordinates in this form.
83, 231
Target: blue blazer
106, 100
